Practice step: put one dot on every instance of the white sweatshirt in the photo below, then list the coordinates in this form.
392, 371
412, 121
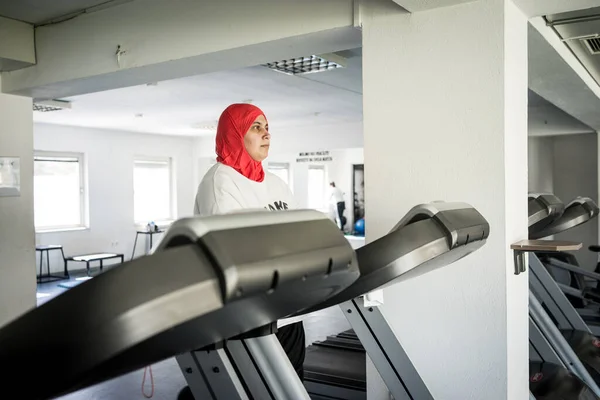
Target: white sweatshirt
224, 190
337, 195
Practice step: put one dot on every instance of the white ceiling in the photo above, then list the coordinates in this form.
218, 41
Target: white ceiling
42, 11
185, 106
190, 105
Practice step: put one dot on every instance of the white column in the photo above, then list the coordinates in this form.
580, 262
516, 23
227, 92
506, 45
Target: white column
445, 118
17, 233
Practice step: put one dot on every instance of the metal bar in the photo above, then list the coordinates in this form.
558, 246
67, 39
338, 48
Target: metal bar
573, 20
588, 312
571, 291
276, 369
247, 370
540, 345
538, 288
210, 375
553, 298
559, 343
385, 351
577, 270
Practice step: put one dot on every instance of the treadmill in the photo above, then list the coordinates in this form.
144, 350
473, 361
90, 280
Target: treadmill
428, 237
543, 210
561, 365
225, 285
223, 279
573, 280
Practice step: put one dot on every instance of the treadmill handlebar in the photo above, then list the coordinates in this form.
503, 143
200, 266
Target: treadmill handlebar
210, 280
589, 204
462, 223
579, 211
543, 209
258, 251
431, 236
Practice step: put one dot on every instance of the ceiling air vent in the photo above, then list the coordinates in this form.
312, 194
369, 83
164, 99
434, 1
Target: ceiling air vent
307, 65
51, 105
593, 45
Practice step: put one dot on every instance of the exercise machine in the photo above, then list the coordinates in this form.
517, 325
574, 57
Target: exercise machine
227, 286
561, 365
543, 210
211, 279
428, 237
573, 280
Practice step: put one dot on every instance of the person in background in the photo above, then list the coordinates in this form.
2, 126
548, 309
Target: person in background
337, 198
238, 181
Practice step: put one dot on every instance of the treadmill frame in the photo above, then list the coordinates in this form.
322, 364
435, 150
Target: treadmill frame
254, 368
544, 290
385, 351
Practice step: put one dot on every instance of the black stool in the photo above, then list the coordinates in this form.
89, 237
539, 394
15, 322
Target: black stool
49, 277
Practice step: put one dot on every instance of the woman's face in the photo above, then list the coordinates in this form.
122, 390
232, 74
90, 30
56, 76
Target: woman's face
257, 139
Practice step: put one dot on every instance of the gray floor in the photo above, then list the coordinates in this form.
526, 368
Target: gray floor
168, 379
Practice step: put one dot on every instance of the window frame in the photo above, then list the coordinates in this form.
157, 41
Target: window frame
172, 188
83, 192
282, 165
325, 204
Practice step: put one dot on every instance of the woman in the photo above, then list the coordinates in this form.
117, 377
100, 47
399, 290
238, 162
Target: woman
238, 181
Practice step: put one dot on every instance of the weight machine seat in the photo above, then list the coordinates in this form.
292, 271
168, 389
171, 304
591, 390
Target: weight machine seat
430, 236
210, 279
543, 209
594, 248
577, 212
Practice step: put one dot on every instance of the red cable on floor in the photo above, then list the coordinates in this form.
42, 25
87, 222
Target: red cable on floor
151, 382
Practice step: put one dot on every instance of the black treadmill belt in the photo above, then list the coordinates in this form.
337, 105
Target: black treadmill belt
349, 334
335, 366
341, 343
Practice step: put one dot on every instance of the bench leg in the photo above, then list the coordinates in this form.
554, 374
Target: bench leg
48, 262
41, 263
134, 245
65, 260
87, 268
101, 265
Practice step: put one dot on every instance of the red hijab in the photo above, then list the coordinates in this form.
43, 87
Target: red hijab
234, 122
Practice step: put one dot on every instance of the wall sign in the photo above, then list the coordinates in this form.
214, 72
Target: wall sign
314, 156
10, 176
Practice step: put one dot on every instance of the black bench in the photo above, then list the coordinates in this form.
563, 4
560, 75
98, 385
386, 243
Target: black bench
88, 258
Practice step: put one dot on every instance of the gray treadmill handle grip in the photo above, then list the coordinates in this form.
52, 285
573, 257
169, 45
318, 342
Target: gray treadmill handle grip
575, 269
571, 291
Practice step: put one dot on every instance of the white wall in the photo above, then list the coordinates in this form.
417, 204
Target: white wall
109, 157
575, 173
540, 164
464, 326
17, 241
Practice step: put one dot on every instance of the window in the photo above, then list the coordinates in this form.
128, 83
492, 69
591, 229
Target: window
281, 170
317, 185
59, 195
152, 190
